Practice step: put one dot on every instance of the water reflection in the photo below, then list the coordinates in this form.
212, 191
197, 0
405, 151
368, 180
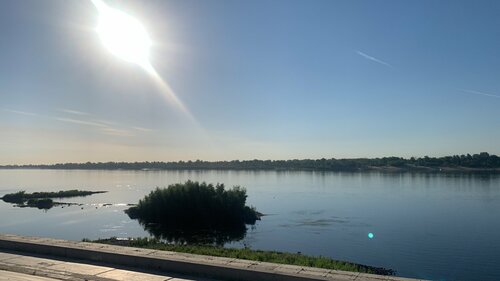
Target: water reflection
426, 225
186, 235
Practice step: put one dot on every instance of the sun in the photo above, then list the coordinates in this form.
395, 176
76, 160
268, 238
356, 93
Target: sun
126, 38
123, 35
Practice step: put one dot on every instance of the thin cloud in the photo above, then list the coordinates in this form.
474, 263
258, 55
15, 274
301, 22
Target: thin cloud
75, 112
479, 93
105, 127
80, 122
21, 112
142, 129
368, 57
105, 122
116, 132
82, 114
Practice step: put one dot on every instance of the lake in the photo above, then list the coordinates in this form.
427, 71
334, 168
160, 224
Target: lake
433, 226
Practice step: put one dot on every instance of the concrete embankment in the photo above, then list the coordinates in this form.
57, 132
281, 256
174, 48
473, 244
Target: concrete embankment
199, 265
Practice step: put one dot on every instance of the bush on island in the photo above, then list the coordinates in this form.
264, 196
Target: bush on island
195, 205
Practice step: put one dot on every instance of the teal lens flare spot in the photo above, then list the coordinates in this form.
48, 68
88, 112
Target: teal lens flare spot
370, 235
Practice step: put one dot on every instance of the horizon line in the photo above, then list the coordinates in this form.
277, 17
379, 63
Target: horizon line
241, 160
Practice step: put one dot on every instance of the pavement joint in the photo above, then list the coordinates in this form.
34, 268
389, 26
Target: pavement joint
113, 269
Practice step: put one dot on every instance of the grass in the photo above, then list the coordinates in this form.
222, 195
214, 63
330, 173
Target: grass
248, 254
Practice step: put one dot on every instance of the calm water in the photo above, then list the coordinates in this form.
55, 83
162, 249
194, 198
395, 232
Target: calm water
440, 227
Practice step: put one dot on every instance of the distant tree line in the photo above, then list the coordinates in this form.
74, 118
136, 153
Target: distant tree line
479, 161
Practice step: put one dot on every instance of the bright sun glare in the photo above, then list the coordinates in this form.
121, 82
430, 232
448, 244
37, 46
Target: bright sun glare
123, 35
126, 38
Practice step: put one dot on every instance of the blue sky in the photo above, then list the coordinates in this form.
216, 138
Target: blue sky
262, 79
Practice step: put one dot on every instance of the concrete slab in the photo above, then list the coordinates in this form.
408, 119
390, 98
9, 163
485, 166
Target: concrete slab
182, 279
395, 278
213, 260
7, 256
370, 277
79, 268
126, 275
338, 275
169, 255
310, 271
33, 262
14, 276
288, 269
74, 271
266, 266
241, 263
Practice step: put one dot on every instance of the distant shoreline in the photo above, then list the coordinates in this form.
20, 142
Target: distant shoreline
476, 163
386, 169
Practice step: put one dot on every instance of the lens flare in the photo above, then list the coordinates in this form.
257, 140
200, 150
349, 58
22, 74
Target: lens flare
371, 235
126, 38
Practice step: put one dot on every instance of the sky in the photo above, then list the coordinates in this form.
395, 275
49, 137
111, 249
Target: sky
259, 79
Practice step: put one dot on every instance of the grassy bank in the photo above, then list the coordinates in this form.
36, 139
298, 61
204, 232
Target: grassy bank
248, 254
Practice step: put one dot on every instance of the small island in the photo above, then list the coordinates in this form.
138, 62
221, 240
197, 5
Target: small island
43, 200
195, 205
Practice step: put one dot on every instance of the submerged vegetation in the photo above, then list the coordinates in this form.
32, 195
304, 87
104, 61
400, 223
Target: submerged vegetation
456, 163
247, 254
194, 204
43, 200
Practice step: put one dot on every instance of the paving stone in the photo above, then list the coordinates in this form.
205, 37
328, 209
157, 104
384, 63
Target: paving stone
310, 271
78, 268
7, 256
266, 266
241, 263
288, 269
33, 262
125, 275
370, 277
131, 251
214, 260
341, 275
14, 276
395, 278
169, 255
183, 278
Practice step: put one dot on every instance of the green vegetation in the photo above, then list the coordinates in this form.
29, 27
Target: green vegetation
461, 163
42, 200
247, 254
195, 205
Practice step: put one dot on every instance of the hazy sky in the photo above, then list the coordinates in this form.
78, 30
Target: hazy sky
263, 79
